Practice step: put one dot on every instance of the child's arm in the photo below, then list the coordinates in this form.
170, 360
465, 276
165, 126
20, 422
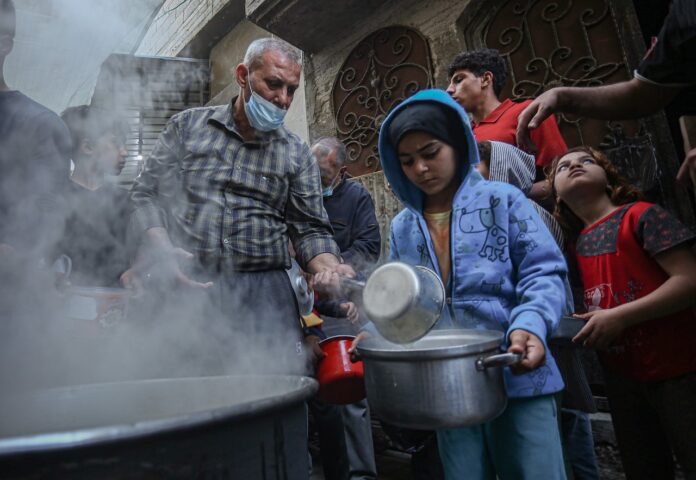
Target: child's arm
540, 271
337, 308
677, 293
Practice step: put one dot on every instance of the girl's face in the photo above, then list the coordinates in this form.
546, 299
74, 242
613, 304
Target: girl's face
578, 171
429, 163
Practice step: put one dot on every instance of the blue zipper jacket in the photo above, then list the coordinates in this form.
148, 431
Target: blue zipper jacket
507, 272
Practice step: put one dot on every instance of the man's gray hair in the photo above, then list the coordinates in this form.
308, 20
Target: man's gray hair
325, 145
256, 49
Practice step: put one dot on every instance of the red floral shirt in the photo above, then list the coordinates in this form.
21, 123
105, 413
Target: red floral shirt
615, 258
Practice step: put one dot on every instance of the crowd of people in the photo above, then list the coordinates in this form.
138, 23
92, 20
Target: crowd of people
493, 196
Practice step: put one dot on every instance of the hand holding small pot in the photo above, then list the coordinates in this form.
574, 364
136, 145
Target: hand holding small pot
522, 341
313, 349
353, 350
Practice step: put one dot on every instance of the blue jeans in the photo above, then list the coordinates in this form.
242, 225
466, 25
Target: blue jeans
522, 443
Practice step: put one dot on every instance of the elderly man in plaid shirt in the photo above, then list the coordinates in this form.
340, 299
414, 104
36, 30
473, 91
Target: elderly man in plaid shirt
226, 187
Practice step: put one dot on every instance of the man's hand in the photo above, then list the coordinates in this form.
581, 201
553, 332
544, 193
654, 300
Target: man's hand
166, 268
350, 311
314, 349
521, 341
531, 117
687, 171
328, 281
130, 279
601, 329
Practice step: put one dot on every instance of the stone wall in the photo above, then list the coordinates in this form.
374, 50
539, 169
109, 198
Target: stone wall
435, 20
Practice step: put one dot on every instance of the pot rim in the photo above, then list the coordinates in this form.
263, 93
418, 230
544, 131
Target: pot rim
115, 434
337, 337
491, 341
98, 292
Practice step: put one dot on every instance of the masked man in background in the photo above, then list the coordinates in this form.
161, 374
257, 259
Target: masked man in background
356, 231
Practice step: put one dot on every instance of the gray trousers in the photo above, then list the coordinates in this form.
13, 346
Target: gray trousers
345, 440
359, 447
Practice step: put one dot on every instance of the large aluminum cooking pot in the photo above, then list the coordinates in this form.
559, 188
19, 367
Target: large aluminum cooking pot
246, 427
447, 379
403, 301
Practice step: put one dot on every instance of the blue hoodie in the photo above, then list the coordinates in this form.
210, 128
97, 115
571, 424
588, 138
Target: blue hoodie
506, 273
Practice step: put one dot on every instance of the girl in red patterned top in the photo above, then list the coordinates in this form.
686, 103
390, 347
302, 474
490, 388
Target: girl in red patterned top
639, 280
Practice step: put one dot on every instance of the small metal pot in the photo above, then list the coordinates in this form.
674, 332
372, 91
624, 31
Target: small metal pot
404, 302
106, 307
448, 379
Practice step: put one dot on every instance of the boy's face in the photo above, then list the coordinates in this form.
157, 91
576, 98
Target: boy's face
6, 37
467, 89
578, 171
428, 162
110, 153
483, 170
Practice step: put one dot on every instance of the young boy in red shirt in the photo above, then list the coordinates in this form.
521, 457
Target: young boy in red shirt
477, 78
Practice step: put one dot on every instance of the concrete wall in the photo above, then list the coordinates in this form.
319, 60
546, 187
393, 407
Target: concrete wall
177, 24
229, 52
435, 20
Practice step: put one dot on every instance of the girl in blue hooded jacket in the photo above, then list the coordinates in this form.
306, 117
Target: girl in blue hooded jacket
502, 270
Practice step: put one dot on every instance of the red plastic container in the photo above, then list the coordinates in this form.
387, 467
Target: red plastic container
340, 381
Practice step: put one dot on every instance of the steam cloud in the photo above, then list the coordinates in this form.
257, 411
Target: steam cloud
167, 332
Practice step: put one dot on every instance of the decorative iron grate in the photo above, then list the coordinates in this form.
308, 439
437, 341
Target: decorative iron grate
550, 43
385, 68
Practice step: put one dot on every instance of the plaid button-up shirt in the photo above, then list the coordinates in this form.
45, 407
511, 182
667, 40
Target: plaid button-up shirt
232, 201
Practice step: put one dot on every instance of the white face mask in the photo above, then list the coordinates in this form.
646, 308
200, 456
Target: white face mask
262, 114
328, 191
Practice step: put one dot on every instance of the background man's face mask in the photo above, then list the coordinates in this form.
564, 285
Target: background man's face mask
262, 114
328, 191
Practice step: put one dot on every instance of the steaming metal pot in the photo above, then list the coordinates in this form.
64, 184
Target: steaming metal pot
447, 379
404, 302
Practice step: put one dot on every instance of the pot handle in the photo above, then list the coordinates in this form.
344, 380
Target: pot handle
500, 360
348, 283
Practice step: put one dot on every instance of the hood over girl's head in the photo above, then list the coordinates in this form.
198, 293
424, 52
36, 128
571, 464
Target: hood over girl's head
432, 112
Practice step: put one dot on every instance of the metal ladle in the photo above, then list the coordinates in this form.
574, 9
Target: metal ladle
403, 301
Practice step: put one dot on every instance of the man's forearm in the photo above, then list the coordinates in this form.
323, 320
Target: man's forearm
322, 262
157, 237
154, 240
618, 101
